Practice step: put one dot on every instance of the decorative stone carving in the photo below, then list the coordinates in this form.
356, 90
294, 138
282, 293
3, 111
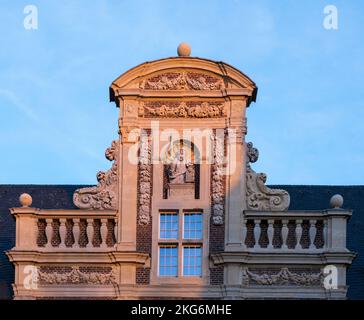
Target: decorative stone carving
145, 182
258, 195
76, 276
191, 109
182, 81
129, 108
128, 133
283, 277
251, 153
217, 184
110, 153
104, 195
180, 170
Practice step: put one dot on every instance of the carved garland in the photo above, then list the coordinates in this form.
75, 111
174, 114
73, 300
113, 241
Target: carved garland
217, 185
104, 195
283, 277
76, 276
182, 110
259, 196
182, 81
145, 179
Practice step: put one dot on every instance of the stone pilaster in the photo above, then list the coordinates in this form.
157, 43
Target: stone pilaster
235, 182
128, 183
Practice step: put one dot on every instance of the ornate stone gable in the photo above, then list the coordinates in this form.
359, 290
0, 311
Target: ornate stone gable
158, 213
182, 81
188, 109
104, 195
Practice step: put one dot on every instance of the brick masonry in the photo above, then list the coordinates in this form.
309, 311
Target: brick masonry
144, 245
216, 244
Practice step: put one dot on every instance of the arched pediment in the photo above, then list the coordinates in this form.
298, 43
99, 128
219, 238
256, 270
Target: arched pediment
183, 74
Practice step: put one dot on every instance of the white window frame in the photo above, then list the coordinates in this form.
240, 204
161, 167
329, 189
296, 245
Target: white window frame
180, 243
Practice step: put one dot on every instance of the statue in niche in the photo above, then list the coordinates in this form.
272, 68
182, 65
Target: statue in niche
180, 170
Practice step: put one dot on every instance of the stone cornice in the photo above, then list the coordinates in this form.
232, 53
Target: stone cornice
141, 93
71, 213
286, 257
77, 256
298, 213
129, 257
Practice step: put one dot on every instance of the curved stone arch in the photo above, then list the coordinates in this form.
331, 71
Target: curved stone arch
196, 152
221, 70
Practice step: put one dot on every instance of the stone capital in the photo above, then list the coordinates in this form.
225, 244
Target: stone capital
128, 134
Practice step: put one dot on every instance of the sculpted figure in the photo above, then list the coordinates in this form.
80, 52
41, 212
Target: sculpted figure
180, 171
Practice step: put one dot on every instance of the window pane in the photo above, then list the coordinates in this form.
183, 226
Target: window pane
168, 261
192, 258
168, 226
192, 227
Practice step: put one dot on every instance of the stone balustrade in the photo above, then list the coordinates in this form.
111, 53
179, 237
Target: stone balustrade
65, 229
76, 232
314, 231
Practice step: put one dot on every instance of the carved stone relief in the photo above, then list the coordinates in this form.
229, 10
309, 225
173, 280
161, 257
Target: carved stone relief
145, 182
218, 180
76, 275
259, 196
182, 81
283, 277
104, 195
191, 109
180, 168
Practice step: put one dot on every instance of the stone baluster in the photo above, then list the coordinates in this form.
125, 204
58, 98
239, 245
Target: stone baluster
284, 234
312, 233
257, 231
244, 232
324, 233
76, 233
49, 232
298, 234
90, 232
103, 231
270, 232
62, 232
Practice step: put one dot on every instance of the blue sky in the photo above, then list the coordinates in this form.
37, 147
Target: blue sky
56, 121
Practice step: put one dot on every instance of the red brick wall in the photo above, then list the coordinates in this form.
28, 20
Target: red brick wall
216, 243
144, 245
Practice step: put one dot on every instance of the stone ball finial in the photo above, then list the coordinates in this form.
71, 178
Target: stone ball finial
336, 201
184, 49
25, 200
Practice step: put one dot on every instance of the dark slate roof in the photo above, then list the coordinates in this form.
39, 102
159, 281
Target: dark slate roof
302, 198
